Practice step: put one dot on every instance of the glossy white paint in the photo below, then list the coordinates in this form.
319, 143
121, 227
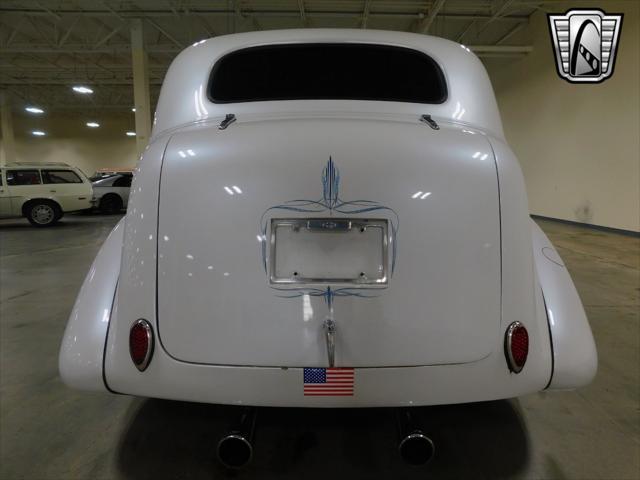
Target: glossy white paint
183, 98
210, 271
574, 350
82, 350
191, 261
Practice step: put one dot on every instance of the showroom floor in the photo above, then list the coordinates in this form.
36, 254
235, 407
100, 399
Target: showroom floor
48, 431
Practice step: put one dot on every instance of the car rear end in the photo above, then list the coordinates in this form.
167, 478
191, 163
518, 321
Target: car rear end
416, 303
323, 249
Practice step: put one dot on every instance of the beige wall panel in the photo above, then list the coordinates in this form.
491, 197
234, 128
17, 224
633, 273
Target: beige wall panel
579, 145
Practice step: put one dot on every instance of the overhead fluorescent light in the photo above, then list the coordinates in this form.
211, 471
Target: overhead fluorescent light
93, 124
131, 134
133, 109
35, 110
38, 133
82, 89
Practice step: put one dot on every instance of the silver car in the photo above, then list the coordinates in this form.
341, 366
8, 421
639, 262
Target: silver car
111, 193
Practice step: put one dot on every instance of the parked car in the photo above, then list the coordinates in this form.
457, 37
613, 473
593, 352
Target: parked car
42, 193
327, 218
111, 193
107, 172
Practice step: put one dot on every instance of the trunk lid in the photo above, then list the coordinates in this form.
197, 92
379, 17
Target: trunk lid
220, 191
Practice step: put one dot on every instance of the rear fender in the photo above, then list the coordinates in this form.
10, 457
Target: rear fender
82, 350
575, 359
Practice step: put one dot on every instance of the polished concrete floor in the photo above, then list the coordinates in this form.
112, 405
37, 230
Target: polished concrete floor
48, 431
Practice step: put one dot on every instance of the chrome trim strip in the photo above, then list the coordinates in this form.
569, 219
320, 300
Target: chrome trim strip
330, 332
507, 347
311, 224
149, 332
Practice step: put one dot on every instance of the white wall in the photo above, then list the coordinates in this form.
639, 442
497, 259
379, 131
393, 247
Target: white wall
69, 140
579, 145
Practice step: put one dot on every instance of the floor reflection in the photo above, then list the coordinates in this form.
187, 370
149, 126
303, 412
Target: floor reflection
177, 440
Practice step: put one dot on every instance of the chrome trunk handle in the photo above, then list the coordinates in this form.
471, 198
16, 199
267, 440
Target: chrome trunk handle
330, 332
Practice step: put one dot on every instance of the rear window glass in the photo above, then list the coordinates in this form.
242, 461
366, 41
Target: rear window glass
60, 176
123, 181
23, 177
327, 71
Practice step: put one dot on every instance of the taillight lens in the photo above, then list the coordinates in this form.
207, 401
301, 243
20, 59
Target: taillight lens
141, 344
516, 346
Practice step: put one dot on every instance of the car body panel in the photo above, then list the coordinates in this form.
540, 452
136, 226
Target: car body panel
82, 350
217, 305
575, 358
203, 196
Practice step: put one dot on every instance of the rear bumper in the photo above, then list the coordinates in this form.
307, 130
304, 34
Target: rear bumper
487, 379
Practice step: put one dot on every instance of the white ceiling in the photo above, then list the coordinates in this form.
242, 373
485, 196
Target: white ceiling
46, 46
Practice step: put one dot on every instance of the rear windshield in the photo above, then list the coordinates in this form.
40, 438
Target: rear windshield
327, 71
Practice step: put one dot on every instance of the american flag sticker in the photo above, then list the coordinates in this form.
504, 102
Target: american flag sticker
328, 382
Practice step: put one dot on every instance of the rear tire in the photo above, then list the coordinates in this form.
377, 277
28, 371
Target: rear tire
43, 213
110, 203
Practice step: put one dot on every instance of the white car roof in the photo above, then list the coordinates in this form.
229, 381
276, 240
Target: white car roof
184, 100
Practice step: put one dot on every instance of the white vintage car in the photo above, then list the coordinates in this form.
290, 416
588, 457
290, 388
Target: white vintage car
327, 218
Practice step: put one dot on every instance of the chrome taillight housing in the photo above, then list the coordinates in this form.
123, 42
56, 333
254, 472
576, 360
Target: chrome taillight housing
141, 343
516, 346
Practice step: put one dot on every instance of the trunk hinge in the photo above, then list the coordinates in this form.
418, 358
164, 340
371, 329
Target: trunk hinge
429, 121
229, 118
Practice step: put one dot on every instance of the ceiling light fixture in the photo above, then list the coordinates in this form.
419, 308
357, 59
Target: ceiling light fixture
38, 133
93, 124
131, 134
35, 110
82, 89
133, 109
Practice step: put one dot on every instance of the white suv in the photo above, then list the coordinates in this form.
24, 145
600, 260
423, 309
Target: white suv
42, 192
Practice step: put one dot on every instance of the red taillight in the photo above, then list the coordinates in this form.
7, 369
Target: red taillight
516, 346
141, 343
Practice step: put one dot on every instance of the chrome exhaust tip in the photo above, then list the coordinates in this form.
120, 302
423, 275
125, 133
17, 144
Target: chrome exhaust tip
234, 451
416, 448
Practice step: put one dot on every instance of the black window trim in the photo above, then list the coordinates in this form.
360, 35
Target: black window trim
216, 66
